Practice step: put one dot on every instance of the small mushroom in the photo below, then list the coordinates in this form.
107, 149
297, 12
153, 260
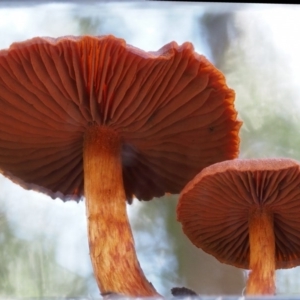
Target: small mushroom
94, 116
246, 213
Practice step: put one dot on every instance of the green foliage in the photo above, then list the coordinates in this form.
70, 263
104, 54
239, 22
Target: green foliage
266, 102
29, 268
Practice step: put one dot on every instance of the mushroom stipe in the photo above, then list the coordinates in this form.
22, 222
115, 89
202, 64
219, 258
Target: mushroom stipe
102, 163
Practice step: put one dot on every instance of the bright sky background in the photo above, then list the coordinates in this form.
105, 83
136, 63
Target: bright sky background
150, 28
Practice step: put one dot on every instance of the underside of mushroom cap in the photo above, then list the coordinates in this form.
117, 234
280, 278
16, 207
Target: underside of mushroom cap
172, 109
214, 208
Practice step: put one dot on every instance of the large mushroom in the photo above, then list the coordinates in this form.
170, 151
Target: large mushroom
94, 116
246, 213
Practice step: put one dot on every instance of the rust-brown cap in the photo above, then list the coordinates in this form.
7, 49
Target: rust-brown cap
172, 109
214, 208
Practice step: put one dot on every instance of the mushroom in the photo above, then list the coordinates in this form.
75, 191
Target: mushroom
246, 213
94, 116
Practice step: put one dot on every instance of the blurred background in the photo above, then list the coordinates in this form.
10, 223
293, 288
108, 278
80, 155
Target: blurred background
43, 242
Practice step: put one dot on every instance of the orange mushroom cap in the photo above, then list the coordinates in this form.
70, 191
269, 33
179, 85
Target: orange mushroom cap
172, 109
214, 208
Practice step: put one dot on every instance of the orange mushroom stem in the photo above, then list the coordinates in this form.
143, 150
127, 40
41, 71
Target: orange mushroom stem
245, 212
108, 223
262, 254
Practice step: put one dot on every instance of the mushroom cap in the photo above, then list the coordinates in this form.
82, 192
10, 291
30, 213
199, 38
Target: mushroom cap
172, 109
214, 208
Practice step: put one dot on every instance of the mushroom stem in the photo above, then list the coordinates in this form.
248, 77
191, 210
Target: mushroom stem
111, 243
262, 254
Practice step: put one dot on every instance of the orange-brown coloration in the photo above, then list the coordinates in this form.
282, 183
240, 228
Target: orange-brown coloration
172, 108
262, 254
215, 206
110, 238
170, 113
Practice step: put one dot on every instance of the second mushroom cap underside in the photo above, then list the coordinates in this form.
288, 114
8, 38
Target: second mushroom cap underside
214, 208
